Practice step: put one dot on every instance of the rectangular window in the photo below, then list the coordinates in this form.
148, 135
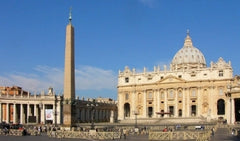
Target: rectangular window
220, 91
150, 96
126, 80
162, 95
180, 94
193, 75
220, 73
194, 93
170, 94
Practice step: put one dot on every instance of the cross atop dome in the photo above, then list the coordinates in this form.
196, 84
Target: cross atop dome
188, 40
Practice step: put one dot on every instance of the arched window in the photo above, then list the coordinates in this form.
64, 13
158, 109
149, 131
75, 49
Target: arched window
221, 107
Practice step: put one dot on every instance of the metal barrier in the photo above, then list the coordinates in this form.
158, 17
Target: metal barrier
180, 135
84, 135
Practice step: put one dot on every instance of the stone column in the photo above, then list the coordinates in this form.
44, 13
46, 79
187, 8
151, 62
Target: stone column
7, 112
14, 112
183, 102
165, 103
36, 112
211, 103
155, 103
28, 112
21, 114
58, 112
158, 101
144, 104
199, 102
232, 111
187, 103
133, 101
43, 114
120, 108
54, 114
0, 112
176, 104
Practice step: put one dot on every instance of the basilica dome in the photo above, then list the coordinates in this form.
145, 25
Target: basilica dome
188, 56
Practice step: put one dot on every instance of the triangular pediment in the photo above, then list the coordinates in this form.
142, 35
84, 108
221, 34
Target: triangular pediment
171, 79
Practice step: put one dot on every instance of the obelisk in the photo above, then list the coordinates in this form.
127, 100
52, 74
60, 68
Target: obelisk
69, 76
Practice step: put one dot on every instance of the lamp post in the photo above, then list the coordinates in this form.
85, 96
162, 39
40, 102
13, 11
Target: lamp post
135, 113
92, 106
55, 111
229, 94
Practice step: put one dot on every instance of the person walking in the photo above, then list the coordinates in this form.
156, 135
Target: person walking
213, 131
125, 133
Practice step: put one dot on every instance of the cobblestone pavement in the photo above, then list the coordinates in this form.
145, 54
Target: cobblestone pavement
222, 134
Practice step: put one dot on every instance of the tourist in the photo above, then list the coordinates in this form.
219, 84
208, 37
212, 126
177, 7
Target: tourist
6, 131
165, 129
125, 133
213, 130
24, 132
233, 131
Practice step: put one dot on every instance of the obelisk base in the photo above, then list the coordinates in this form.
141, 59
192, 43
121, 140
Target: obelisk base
67, 115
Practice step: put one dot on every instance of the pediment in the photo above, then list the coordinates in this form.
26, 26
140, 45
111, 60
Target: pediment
171, 79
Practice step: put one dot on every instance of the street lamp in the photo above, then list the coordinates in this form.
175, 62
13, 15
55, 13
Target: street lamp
135, 113
55, 111
92, 106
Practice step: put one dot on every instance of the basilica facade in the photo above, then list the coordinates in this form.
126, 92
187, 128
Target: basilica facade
186, 88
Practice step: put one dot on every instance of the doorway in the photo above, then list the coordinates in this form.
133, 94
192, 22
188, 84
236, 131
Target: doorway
126, 110
237, 109
193, 110
150, 111
171, 110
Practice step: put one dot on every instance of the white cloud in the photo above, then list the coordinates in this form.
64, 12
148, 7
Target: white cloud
148, 3
86, 77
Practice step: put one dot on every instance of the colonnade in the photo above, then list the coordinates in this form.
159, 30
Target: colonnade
25, 113
99, 115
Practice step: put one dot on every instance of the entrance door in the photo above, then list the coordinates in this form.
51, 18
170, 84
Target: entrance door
150, 111
221, 107
193, 110
237, 109
126, 110
171, 110
180, 112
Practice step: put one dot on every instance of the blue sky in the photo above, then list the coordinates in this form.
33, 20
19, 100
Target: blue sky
109, 35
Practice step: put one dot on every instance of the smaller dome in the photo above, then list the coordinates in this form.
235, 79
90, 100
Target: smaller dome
189, 56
